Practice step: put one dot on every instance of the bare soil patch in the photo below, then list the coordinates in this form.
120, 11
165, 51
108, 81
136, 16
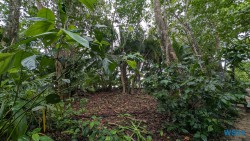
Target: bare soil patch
242, 123
113, 107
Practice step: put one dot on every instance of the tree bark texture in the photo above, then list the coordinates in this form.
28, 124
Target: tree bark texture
124, 79
167, 48
11, 32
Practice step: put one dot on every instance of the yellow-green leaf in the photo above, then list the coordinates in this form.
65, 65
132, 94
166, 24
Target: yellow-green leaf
77, 38
47, 14
39, 28
132, 64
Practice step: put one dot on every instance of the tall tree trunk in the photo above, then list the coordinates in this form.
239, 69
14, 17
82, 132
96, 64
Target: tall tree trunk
11, 32
124, 79
163, 31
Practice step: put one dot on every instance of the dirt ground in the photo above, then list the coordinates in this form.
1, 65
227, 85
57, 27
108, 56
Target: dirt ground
113, 106
115, 109
243, 123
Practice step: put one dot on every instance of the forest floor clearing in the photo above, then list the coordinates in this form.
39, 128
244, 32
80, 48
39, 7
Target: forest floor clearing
116, 109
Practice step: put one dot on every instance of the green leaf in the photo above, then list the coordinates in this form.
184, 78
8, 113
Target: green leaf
6, 61
210, 128
130, 29
77, 38
45, 138
108, 138
50, 38
149, 138
35, 137
127, 138
47, 14
24, 138
35, 131
165, 82
4, 56
113, 132
19, 56
20, 123
34, 38
53, 99
91, 125
112, 66
9, 60
161, 133
203, 137
85, 132
132, 64
184, 131
90, 4
98, 35
63, 15
39, 28
88, 38
105, 64
197, 135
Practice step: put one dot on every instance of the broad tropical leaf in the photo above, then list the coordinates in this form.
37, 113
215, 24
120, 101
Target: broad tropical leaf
77, 38
45, 35
39, 28
6, 61
132, 64
20, 123
47, 14
90, 4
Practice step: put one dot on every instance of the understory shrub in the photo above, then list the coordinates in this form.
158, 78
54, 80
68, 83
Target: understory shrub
195, 103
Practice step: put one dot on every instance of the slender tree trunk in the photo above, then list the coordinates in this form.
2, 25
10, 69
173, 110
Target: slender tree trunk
11, 32
217, 39
189, 32
191, 38
135, 79
195, 44
163, 31
124, 78
233, 72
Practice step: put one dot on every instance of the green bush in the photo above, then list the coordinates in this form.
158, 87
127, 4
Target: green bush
195, 103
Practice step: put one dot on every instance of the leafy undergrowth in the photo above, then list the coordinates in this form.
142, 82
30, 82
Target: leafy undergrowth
131, 115
126, 115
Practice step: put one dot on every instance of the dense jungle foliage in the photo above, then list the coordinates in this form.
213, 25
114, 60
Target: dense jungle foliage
191, 56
